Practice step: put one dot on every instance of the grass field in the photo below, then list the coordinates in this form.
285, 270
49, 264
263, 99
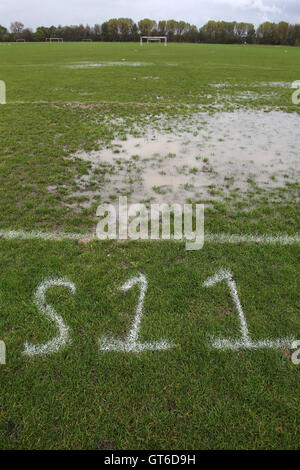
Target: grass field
228, 112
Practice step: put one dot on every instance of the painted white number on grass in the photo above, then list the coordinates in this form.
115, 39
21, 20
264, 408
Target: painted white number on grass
40, 300
245, 342
131, 343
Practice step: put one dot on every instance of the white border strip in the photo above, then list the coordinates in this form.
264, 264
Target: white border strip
214, 238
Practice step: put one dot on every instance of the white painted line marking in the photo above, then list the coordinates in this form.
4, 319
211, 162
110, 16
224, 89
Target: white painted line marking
213, 238
36, 235
265, 239
131, 343
40, 300
245, 342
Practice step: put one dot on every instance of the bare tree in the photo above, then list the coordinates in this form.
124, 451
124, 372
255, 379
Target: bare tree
16, 27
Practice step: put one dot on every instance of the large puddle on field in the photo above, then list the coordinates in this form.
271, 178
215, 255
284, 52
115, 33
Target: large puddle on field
199, 157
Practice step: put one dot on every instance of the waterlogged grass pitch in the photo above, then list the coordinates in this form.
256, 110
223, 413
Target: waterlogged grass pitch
212, 124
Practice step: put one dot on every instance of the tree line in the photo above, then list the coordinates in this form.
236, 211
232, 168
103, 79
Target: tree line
125, 29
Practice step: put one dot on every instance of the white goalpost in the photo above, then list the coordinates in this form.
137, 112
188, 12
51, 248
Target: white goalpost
149, 39
54, 40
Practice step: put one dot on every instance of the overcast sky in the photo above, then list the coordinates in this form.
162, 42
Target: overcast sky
66, 12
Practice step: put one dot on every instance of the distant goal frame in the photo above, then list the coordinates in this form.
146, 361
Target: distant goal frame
149, 39
50, 40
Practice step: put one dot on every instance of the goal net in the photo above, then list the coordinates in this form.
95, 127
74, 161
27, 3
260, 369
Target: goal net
54, 40
148, 39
